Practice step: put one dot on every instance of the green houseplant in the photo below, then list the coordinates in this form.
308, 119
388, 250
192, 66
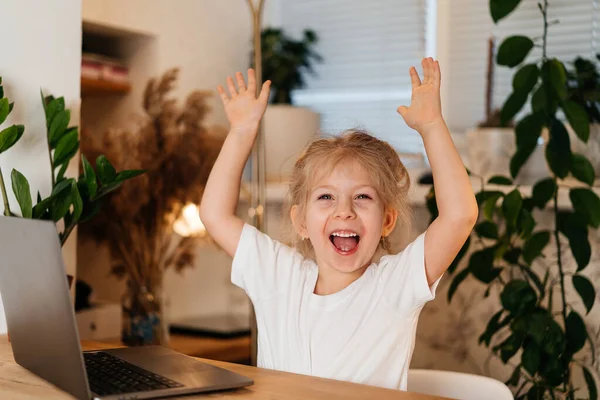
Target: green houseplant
72, 200
287, 128
285, 60
536, 329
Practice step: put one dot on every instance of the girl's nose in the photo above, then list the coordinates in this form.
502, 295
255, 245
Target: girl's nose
344, 210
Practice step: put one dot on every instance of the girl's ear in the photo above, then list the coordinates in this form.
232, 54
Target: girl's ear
298, 221
389, 221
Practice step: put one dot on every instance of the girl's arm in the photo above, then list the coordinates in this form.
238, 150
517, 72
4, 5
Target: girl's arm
455, 199
219, 202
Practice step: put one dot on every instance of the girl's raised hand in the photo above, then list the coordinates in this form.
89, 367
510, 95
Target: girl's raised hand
244, 110
425, 109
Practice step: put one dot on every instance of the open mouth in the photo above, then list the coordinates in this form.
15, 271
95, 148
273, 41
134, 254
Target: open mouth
345, 242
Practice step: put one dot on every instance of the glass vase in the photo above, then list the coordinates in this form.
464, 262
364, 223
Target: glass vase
143, 316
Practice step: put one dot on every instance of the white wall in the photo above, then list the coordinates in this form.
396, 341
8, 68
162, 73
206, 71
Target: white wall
208, 40
41, 49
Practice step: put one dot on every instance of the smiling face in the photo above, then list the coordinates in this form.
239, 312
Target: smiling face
344, 220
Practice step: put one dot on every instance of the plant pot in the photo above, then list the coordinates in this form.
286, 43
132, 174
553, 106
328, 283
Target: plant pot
490, 151
288, 130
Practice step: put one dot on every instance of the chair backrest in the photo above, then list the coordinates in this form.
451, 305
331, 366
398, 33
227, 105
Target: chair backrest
457, 385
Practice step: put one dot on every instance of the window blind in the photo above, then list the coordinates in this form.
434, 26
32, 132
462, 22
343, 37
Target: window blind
471, 26
367, 47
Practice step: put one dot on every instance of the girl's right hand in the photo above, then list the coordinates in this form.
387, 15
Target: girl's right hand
244, 110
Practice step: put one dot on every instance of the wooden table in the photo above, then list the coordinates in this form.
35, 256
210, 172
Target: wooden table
235, 349
16, 383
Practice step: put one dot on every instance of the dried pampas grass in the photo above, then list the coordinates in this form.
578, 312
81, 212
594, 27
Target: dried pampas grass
177, 151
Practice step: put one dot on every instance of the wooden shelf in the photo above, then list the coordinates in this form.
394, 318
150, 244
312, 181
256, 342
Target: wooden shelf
93, 87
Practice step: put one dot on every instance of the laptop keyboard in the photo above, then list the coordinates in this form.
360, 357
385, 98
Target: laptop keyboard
108, 374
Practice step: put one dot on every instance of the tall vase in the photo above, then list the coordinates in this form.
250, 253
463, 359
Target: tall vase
144, 322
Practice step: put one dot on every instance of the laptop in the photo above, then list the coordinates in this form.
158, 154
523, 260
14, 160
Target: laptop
43, 332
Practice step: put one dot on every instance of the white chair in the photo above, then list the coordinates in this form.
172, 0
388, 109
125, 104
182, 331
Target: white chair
456, 385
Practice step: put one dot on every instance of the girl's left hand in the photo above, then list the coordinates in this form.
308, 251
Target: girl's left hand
425, 109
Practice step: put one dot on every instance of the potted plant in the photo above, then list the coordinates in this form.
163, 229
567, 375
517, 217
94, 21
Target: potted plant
537, 328
71, 201
287, 128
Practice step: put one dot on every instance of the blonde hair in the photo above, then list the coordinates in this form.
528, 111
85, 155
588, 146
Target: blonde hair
388, 175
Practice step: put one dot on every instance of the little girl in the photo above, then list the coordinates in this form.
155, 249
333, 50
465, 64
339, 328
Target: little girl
337, 314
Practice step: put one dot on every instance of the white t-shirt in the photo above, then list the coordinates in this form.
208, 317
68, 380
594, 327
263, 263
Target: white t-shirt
364, 333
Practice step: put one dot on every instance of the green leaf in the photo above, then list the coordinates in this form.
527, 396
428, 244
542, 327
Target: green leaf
3, 110
578, 118
481, 265
514, 50
582, 169
90, 177
490, 205
487, 229
10, 107
52, 109
525, 223
106, 189
482, 196
576, 332
515, 377
578, 242
528, 131
586, 291
541, 102
128, 174
558, 150
493, 326
501, 8
58, 126
66, 148
457, 281
512, 255
591, 384
106, 172
509, 347
518, 297
586, 203
555, 71
10, 136
511, 206
543, 191
61, 204
519, 159
534, 245
461, 253
22, 193
531, 357
77, 202
536, 393
513, 104
525, 79
500, 180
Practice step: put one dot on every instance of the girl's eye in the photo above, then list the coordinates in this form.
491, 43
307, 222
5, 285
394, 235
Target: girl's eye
363, 196
325, 197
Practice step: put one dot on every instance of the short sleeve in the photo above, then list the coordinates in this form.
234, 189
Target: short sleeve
263, 266
404, 280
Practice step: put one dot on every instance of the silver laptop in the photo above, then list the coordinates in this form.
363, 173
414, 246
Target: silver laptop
44, 337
